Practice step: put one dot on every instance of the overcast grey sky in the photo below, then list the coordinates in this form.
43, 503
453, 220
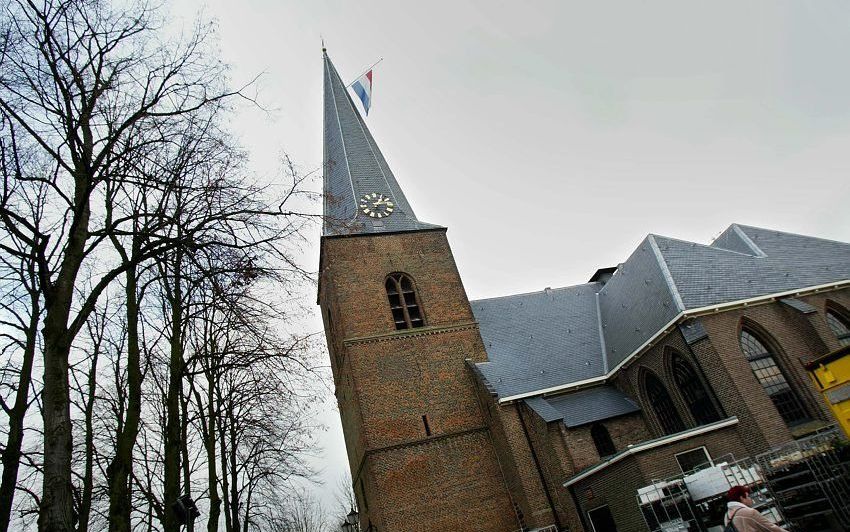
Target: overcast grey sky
550, 137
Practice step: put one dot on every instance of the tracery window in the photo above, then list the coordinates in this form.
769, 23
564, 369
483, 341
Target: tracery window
662, 405
772, 378
696, 396
839, 326
602, 440
403, 302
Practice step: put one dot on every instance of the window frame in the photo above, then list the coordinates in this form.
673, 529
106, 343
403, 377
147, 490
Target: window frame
406, 311
608, 441
710, 461
836, 319
698, 398
784, 396
668, 417
597, 508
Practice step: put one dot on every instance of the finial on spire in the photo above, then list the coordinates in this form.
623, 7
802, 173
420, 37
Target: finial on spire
324, 50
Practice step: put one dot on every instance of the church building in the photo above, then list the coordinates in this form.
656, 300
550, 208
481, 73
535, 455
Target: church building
548, 410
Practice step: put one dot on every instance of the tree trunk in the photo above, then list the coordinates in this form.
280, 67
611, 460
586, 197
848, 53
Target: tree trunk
225, 482
184, 453
171, 489
234, 479
212, 459
88, 474
56, 513
118, 472
12, 452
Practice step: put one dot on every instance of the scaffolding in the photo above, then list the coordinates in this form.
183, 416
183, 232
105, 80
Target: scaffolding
810, 479
667, 507
696, 501
803, 485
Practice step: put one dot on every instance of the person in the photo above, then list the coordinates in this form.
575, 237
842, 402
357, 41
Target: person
744, 517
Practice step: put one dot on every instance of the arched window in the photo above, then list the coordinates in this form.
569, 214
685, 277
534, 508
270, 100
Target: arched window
602, 440
772, 379
662, 405
839, 325
695, 395
403, 302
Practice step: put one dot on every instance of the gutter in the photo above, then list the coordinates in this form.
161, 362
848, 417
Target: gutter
651, 444
681, 316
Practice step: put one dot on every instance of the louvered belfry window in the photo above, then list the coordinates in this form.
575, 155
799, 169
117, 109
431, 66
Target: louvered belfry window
772, 378
839, 326
695, 395
662, 405
403, 302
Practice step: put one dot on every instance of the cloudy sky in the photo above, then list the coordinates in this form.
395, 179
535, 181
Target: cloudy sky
551, 136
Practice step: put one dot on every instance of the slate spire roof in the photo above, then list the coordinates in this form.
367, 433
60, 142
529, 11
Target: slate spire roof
355, 167
550, 340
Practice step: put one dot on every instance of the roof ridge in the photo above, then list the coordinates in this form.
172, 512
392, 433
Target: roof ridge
560, 288
748, 241
707, 246
665, 271
767, 230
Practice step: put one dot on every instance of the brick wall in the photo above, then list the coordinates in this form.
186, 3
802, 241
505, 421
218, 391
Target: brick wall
514, 453
387, 380
476, 467
839, 299
555, 465
624, 431
441, 484
617, 485
782, 326
657, 360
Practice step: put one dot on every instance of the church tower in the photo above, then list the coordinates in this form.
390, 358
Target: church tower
400, 334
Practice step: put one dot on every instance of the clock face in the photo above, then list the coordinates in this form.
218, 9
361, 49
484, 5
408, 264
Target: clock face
376, 205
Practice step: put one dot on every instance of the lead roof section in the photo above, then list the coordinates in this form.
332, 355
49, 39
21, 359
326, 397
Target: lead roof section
353, 167
544, 340
584, 406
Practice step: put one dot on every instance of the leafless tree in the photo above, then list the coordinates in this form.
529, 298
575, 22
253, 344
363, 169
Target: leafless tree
299, 512
345, 498
119, 179
20, 304
135, 169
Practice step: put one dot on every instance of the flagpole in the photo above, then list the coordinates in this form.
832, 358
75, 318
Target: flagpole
367, 70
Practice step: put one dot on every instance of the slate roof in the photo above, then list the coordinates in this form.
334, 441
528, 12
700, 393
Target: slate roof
354, 166
545, 340
542, 339
584, 406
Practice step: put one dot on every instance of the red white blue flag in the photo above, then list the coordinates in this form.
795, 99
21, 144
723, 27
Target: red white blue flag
363, 88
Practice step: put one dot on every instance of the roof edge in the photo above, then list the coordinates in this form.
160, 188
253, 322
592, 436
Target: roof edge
665, 271
748, 241
651, 444
679, 317
535, 292
386, 233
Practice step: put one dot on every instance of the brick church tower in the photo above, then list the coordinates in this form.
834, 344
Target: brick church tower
400, 334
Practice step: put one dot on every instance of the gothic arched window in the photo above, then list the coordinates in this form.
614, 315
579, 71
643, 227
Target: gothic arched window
602, 440
696, 396
403, 302
662, 405
772, 378
839, 325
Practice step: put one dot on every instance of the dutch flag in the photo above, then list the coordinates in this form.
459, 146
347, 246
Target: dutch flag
363, 88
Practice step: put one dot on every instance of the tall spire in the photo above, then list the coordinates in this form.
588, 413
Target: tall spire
362, 195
